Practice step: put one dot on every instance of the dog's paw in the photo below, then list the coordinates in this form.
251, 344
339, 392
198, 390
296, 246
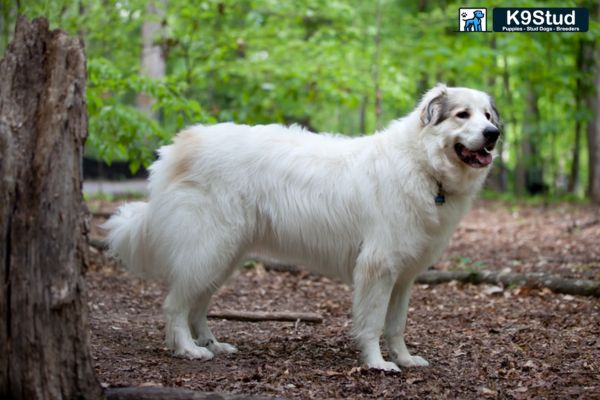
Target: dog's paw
384, 366
222, 348
412, 361
195, 353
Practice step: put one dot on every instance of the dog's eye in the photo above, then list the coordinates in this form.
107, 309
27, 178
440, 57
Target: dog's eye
463, 115
488, 115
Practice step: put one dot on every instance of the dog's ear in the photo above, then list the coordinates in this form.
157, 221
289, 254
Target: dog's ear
495, 118
434, 105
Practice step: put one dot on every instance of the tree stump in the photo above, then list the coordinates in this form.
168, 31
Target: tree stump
44, 350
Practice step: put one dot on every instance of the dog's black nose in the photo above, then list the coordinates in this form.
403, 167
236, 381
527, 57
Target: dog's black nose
491, 134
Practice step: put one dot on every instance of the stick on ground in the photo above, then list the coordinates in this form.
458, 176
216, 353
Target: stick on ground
256, 316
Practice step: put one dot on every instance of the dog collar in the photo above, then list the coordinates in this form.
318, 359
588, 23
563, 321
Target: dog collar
440, 198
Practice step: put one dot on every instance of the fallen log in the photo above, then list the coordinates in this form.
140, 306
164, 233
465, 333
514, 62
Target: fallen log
580, 287
257, 316
583, 225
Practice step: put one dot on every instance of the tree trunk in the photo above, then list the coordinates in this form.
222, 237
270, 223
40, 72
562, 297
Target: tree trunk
43, 126
362, 116
579, 95
497, 178
593, 131
152, 62
422, 79
509, 119
376, 65
529, 166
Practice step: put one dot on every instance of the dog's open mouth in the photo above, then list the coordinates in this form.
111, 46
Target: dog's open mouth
474, 158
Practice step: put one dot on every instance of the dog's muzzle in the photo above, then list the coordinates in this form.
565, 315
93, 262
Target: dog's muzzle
479, 158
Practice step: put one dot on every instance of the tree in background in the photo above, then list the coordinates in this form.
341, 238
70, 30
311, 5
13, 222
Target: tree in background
152, 59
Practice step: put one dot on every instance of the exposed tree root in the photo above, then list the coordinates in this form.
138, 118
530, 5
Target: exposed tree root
580, 287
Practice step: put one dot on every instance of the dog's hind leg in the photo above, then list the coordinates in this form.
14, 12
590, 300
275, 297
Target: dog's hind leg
186, 305
372, 290
199, 324
201, 266
178, 336
200, 238
395, 323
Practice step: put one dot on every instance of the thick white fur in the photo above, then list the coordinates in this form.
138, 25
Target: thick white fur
359, 209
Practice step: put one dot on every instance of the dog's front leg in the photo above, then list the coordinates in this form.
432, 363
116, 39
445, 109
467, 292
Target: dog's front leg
395, 323
372, 291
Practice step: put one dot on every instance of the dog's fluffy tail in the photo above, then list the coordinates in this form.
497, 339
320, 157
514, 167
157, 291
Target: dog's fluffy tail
128, 240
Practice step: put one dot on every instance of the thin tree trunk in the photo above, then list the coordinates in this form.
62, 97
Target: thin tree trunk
376, 66
152, 62
422, 81
497, 178
593, 131
529, 172
362, 116
574, 173
512, 121
43, 126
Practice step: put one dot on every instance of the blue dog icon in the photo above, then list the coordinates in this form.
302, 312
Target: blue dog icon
474, 24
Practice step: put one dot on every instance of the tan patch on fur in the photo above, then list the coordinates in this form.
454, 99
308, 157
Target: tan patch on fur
185, 148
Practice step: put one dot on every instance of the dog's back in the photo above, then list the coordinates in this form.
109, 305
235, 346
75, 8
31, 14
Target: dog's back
306, 207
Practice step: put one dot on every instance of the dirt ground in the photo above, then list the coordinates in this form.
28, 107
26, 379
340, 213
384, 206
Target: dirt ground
481, 341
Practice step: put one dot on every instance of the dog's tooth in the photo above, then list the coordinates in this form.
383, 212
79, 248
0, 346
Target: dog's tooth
486, 150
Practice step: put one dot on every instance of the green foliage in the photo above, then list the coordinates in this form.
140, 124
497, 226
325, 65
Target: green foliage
317, 63
118, 129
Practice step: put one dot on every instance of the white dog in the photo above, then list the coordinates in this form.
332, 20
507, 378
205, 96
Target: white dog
373, 211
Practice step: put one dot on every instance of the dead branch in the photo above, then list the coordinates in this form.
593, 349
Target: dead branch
580, 287
256, 316
160, 393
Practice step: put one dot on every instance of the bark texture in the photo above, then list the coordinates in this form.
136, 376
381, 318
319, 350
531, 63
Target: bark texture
43, 126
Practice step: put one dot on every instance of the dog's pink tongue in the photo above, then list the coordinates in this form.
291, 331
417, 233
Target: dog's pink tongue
483, 157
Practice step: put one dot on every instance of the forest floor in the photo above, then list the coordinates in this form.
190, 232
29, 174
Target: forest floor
481, 341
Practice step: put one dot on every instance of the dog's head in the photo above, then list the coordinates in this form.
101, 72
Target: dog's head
478, 14
461, 125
